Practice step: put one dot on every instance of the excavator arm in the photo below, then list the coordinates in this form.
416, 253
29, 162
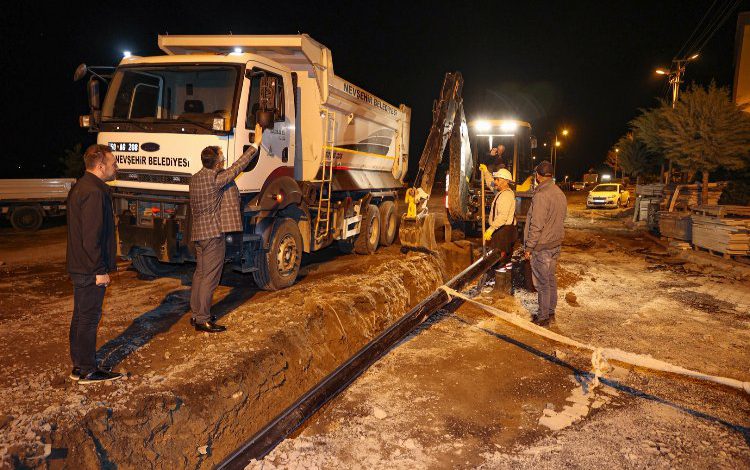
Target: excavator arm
448, 126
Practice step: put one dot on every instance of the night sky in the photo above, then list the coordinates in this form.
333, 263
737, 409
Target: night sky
579, 65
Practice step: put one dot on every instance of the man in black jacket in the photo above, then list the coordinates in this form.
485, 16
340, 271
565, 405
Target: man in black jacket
90, 257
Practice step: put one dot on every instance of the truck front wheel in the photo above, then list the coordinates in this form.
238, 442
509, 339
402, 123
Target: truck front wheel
27, 218
278, 267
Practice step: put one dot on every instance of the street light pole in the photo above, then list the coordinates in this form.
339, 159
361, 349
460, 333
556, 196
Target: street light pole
554, 147
617, 154
675, 79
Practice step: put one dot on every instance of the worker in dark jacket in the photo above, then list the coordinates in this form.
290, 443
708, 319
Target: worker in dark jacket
543, 236
492, 162
215, 209
90, 258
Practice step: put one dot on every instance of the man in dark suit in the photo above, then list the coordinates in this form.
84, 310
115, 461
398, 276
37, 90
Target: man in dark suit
90, 257
215, 209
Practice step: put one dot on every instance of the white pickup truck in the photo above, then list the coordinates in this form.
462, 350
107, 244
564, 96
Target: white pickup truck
26, 202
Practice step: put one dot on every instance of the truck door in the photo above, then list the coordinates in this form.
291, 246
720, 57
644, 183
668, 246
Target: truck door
277, 152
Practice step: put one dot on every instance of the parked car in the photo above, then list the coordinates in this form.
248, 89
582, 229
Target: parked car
608, 195
579, 186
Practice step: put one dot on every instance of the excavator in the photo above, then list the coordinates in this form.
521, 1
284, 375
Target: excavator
464, 189
417, 229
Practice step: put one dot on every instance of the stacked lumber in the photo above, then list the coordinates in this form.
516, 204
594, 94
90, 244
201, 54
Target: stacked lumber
649, 190
723, 229
683, 197
647, 195
677, 225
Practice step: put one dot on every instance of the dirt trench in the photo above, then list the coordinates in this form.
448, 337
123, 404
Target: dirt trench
215, 391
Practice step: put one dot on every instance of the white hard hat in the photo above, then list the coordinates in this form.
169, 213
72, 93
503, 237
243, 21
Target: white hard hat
504, 174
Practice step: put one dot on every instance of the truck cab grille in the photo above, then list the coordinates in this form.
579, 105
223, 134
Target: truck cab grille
154, 177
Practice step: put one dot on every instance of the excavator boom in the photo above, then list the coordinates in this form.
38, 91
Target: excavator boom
417, 228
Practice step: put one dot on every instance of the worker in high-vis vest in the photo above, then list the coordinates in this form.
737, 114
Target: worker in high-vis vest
502, 232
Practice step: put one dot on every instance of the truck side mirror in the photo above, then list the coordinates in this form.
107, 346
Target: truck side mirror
80, 72
94, 101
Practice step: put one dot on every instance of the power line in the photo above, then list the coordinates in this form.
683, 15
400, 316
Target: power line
728, 12
697, 28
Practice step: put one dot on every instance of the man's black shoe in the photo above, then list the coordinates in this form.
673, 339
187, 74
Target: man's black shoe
75, 374
210, 327
99, 376
541, 321
192, 320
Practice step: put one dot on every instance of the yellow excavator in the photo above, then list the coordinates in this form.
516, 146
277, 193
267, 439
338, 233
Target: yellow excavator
417, 229
464, 201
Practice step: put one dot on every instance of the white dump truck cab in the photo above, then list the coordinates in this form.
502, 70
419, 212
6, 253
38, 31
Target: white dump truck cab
330, 150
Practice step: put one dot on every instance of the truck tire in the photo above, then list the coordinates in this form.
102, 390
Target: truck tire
150, 266
278, 267
27, 218
369, 231
389, 223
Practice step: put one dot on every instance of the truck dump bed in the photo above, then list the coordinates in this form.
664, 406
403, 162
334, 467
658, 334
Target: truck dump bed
53, 189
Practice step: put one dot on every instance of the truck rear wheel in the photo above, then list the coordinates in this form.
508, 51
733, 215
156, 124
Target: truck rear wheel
27, 218
389, 223
279, 266
369, 231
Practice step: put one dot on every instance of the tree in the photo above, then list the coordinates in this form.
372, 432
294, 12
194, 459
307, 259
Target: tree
631, 156
705, 131
646, 129
73, 162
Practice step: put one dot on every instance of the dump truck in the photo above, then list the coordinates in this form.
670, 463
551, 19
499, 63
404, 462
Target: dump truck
332, 159
27, 202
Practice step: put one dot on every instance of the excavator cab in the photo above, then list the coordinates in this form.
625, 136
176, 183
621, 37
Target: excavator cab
517, 157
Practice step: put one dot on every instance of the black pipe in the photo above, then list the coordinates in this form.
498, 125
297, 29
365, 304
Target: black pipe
290, 419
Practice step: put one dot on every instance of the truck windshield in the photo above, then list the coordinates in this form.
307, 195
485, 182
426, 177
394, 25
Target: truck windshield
163, 94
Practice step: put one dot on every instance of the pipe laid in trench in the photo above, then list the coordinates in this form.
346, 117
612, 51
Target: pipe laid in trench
334, 383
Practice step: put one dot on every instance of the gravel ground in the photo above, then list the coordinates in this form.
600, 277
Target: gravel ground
468, 391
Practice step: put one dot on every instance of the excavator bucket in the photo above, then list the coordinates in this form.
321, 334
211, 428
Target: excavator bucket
418, 232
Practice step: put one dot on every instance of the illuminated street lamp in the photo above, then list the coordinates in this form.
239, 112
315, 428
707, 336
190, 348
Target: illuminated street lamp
553, 150
675, 75
617, 152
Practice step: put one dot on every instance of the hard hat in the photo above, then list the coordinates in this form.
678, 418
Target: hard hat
503, 173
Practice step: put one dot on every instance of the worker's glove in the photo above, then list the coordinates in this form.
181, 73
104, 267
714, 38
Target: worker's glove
483, 168
488, 233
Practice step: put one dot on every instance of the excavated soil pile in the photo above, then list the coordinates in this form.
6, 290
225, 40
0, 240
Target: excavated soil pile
188, 399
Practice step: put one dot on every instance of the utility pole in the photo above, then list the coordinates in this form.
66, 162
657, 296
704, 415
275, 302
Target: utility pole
675, 80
